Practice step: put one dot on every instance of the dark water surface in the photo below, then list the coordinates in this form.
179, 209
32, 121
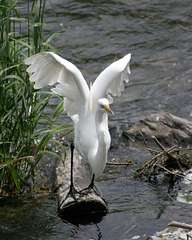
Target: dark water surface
158, 34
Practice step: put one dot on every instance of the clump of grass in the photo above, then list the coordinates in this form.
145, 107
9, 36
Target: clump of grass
21, 108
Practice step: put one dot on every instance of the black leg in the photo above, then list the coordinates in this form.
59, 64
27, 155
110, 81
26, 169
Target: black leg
72, 150
92, 182
72, 190
90, 187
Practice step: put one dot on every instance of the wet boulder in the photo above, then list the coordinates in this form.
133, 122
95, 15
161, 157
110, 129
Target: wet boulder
168, 129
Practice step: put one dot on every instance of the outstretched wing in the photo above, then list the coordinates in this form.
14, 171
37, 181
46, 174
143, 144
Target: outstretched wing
48, 68
110, 82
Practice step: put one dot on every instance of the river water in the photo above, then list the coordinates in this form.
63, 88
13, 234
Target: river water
158, 34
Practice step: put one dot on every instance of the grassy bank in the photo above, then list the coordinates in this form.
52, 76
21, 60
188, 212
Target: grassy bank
22, 145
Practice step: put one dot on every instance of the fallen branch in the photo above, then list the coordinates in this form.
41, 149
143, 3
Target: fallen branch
158, 143
168, 171
189, 236
150, 162
168, 159
80, 205
169, 155
180, 225
78, 228
149, 149
127, 231
114, 163
64, 134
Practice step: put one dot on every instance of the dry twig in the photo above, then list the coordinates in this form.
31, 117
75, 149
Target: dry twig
127, 231
169, 162
121, 163
180, 225
152, 161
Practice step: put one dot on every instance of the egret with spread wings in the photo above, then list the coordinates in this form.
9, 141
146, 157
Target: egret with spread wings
87, 107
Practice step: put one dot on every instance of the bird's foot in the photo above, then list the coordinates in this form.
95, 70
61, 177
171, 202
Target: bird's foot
72, 192
89, 189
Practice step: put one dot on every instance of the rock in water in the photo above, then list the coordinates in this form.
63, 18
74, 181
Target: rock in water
167, 128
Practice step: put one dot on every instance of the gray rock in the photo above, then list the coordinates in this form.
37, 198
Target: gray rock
168, 129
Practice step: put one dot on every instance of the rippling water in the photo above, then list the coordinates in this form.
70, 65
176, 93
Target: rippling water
158, 33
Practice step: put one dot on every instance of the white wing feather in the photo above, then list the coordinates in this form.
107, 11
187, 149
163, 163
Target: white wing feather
48, 69
110, 82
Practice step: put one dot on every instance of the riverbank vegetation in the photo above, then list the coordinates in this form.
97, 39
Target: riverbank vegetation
22, 142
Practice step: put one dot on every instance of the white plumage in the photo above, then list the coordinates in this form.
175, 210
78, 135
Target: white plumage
86, 107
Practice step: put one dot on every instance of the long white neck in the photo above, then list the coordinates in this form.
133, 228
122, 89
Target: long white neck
100, 156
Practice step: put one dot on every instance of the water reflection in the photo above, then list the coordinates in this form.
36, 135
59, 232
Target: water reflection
84, 219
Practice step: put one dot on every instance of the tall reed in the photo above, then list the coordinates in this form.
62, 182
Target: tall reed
21, 108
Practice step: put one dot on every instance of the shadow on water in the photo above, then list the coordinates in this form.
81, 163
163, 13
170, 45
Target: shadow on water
84, 219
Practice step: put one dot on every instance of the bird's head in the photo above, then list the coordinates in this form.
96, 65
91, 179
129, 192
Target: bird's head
104, 104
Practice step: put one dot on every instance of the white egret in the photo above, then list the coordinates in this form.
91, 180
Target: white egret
87, 107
